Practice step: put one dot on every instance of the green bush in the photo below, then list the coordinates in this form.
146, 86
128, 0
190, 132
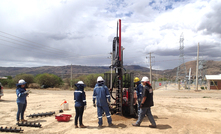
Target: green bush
11, 83
89, 80
29, 78
48, 80
4, 82
8, 83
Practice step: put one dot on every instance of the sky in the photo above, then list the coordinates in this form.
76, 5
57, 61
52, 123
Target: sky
37, 33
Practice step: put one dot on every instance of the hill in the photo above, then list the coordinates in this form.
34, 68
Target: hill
63, 71
210, 68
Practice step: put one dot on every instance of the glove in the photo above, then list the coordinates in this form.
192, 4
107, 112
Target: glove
94, 105
85, 107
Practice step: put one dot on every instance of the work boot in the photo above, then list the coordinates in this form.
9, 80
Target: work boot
152, 126
22, 120
83, 126
110, 125
76, 126
134, 124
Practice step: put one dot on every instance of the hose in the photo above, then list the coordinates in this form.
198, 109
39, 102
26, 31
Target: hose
111, 91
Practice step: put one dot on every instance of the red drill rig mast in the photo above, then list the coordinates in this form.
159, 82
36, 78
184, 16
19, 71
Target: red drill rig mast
124, 100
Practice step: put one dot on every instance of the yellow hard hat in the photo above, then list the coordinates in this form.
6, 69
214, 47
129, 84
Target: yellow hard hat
136, 79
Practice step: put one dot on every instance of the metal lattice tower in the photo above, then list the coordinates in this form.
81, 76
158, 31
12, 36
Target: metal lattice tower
202, 68
181, 69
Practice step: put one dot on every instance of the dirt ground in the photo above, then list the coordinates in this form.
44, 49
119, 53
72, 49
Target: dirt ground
175, 111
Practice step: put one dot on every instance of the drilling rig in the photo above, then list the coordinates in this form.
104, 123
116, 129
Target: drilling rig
122, 87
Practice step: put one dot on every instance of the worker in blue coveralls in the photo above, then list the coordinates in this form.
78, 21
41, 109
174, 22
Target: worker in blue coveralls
102, 95
80, 103
21, 99
139, 90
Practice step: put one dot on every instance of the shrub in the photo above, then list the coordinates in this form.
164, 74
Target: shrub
90, 80
34, 85
11, 83
48, 80
29, 78
4, 82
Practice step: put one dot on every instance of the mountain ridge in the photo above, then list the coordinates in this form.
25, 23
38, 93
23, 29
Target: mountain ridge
209, 68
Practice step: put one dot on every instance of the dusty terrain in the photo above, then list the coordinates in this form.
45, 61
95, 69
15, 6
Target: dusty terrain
175, 111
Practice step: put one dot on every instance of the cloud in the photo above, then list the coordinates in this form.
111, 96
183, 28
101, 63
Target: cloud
64, 32
211, 22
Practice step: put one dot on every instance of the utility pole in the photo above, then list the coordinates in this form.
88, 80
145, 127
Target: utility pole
71, 75
197, 67
150, 67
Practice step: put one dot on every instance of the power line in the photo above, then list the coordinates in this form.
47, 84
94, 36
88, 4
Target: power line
46, 49
30, 41
22, 48
26, 44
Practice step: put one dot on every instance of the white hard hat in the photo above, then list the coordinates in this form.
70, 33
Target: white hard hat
21, 82
80, 82
99, 78
145, 79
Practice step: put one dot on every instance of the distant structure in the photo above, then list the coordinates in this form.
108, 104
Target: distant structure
181, 69
202, 69
190, 77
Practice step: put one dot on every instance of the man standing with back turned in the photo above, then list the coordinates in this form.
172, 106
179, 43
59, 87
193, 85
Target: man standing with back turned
102, 95
146, 103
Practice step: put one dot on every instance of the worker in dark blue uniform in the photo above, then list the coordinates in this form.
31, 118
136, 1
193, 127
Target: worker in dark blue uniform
102, 95
80, 103
139, 90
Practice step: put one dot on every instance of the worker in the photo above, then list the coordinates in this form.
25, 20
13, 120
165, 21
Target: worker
80, 103
21, 99
146, 103
139, 90
102, 95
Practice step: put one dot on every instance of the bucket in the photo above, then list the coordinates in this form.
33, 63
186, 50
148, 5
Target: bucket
65, 105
